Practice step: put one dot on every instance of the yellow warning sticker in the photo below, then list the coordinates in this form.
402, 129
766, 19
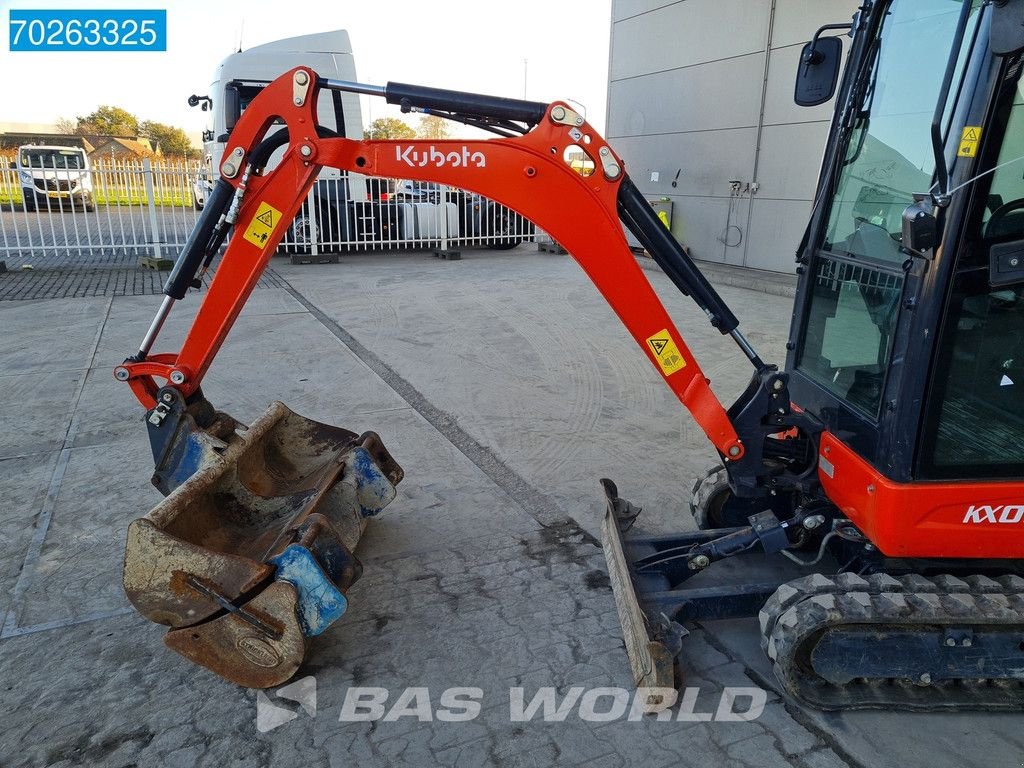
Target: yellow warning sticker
262, 225
969, 141
666, 352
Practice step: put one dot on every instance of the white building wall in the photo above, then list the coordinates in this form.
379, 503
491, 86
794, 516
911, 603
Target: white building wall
689, 93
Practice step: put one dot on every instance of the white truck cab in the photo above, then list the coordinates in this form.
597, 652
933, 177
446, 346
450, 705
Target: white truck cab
54, 177
242, 75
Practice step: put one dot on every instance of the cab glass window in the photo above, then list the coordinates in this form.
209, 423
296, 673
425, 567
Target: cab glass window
858, 277
1003, 217
890, 157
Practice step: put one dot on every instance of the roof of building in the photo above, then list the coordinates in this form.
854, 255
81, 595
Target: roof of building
136, 145
91, 143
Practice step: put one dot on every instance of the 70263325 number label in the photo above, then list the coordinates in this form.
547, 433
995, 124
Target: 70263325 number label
88, 30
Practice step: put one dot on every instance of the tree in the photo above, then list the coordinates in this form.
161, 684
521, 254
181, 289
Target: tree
109, 121
66, 126
172, 141
433, 127
389, 128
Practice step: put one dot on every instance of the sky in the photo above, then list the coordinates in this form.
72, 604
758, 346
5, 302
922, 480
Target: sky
541, 49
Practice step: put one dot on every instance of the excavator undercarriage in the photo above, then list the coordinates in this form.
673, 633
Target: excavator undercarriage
880, 636
910, 642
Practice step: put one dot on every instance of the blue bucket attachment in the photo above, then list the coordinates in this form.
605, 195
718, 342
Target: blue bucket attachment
251, 550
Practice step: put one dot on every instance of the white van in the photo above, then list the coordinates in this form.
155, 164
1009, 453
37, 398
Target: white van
54, 177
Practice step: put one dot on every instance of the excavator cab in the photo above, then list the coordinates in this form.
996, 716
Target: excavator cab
904, 360
896, 338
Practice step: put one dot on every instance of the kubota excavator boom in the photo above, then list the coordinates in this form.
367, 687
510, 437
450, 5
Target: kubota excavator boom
260, 523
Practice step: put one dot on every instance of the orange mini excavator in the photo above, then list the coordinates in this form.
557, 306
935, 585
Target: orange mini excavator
878, 473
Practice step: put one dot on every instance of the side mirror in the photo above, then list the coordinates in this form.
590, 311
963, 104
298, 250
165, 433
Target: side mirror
203, 102
818, 74
1006, 36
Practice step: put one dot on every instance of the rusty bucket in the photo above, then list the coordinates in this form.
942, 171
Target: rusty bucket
251, 552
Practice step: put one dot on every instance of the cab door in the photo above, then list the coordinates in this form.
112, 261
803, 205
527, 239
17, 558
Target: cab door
850, 340
974, 416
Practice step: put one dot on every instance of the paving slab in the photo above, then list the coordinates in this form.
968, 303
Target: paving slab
38, 411
505, 387
537, 367
79, 568
49, 336
24, 483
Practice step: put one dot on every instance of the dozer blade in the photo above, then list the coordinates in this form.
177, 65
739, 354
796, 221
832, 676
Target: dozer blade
251, 551
651, 659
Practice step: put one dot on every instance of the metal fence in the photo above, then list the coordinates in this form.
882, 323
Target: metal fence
364, 214
116, 211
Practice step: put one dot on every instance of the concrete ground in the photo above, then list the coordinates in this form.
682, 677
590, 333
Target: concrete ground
505, 387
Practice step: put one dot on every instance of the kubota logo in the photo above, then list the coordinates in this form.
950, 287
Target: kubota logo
416, 157
984, 513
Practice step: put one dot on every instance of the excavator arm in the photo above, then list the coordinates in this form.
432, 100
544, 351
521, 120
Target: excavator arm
252, 550
527, 173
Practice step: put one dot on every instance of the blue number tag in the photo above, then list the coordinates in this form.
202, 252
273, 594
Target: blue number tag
84, 30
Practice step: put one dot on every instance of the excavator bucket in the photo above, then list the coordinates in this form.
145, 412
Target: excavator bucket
252, 550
